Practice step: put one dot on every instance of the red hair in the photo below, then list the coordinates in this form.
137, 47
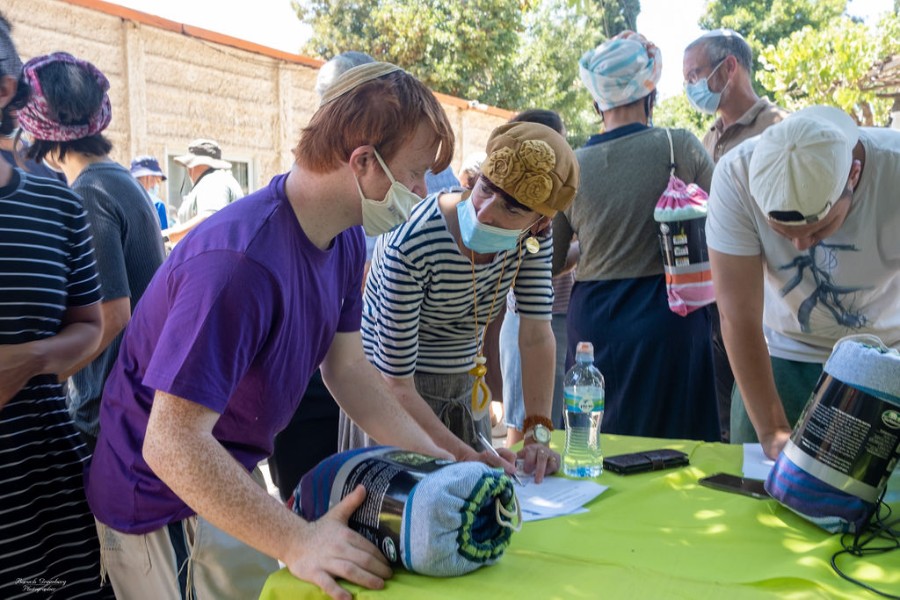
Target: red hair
384, 112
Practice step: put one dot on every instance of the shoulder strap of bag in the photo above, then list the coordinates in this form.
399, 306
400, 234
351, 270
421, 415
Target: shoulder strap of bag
671, 153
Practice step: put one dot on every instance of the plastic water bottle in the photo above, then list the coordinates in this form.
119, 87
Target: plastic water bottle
584, 398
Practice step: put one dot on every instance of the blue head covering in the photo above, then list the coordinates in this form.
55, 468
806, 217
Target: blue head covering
621, 70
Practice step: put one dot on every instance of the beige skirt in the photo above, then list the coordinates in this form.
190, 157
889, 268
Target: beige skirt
449, 396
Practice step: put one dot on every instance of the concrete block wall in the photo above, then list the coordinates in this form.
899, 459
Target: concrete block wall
171, 83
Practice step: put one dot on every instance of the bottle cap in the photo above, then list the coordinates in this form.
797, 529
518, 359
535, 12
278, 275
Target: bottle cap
585, 347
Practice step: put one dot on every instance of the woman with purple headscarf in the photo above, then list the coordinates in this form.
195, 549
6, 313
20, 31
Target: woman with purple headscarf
49, 321
66, 116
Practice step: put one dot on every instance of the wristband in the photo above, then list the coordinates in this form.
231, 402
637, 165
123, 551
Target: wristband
532, 420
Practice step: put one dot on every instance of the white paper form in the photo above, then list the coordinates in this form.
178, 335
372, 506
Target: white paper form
555, 496
756, 465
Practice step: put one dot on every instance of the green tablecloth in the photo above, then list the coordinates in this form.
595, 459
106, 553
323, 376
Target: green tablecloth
653, 535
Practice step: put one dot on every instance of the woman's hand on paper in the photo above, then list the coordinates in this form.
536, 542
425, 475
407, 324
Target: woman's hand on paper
539, 460
500, 457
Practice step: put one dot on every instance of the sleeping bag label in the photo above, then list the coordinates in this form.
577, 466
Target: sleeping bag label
846, 438
389, 478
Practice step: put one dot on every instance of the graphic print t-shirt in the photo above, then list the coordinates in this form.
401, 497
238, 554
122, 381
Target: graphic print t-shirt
846, 284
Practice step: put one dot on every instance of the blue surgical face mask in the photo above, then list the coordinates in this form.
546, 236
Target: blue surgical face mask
482, 238
700, 96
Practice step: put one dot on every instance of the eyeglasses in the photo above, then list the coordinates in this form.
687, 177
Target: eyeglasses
693, 77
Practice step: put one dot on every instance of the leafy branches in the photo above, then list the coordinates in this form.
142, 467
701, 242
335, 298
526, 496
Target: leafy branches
515, 54
465, 49
766, 22
829, 66
809, 52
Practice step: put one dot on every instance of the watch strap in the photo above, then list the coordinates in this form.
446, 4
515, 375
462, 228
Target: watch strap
532, 420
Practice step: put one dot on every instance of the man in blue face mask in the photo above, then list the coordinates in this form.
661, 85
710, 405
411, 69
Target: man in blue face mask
717, 70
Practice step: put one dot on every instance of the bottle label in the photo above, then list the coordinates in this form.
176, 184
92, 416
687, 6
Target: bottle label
584, 399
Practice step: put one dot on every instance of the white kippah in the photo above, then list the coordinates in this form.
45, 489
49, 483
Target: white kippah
355, 77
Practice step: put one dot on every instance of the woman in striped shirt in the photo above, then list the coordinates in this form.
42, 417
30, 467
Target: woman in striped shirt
438, 280
49, 321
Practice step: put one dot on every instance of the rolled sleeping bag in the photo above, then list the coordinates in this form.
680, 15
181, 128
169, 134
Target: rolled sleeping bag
432, 516
846, 443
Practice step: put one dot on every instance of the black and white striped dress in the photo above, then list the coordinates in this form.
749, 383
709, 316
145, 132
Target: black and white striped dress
48, 543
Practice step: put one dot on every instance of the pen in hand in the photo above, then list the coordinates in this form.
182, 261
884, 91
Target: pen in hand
490, 448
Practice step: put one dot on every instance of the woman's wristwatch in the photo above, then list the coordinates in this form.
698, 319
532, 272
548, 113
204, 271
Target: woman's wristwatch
537, 429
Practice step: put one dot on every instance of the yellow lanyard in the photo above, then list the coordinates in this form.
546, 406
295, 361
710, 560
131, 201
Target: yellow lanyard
481, 393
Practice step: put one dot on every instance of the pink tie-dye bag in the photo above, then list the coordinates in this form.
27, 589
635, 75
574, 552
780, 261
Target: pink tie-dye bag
681, 214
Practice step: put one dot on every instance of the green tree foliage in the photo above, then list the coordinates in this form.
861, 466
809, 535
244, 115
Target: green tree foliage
515, 54
559, 32
830, 65
677, 112
466, 49
555, 37
766, 22
615, 15
809, 52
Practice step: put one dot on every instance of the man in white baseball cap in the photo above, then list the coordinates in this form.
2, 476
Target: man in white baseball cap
803, 229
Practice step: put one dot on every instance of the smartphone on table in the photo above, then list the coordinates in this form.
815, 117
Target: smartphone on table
755, 488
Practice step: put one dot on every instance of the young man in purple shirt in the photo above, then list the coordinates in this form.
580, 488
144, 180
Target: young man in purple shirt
223, 343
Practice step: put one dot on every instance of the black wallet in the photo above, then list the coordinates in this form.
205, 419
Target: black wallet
649, 460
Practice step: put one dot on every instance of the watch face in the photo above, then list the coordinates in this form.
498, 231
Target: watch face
541, 434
